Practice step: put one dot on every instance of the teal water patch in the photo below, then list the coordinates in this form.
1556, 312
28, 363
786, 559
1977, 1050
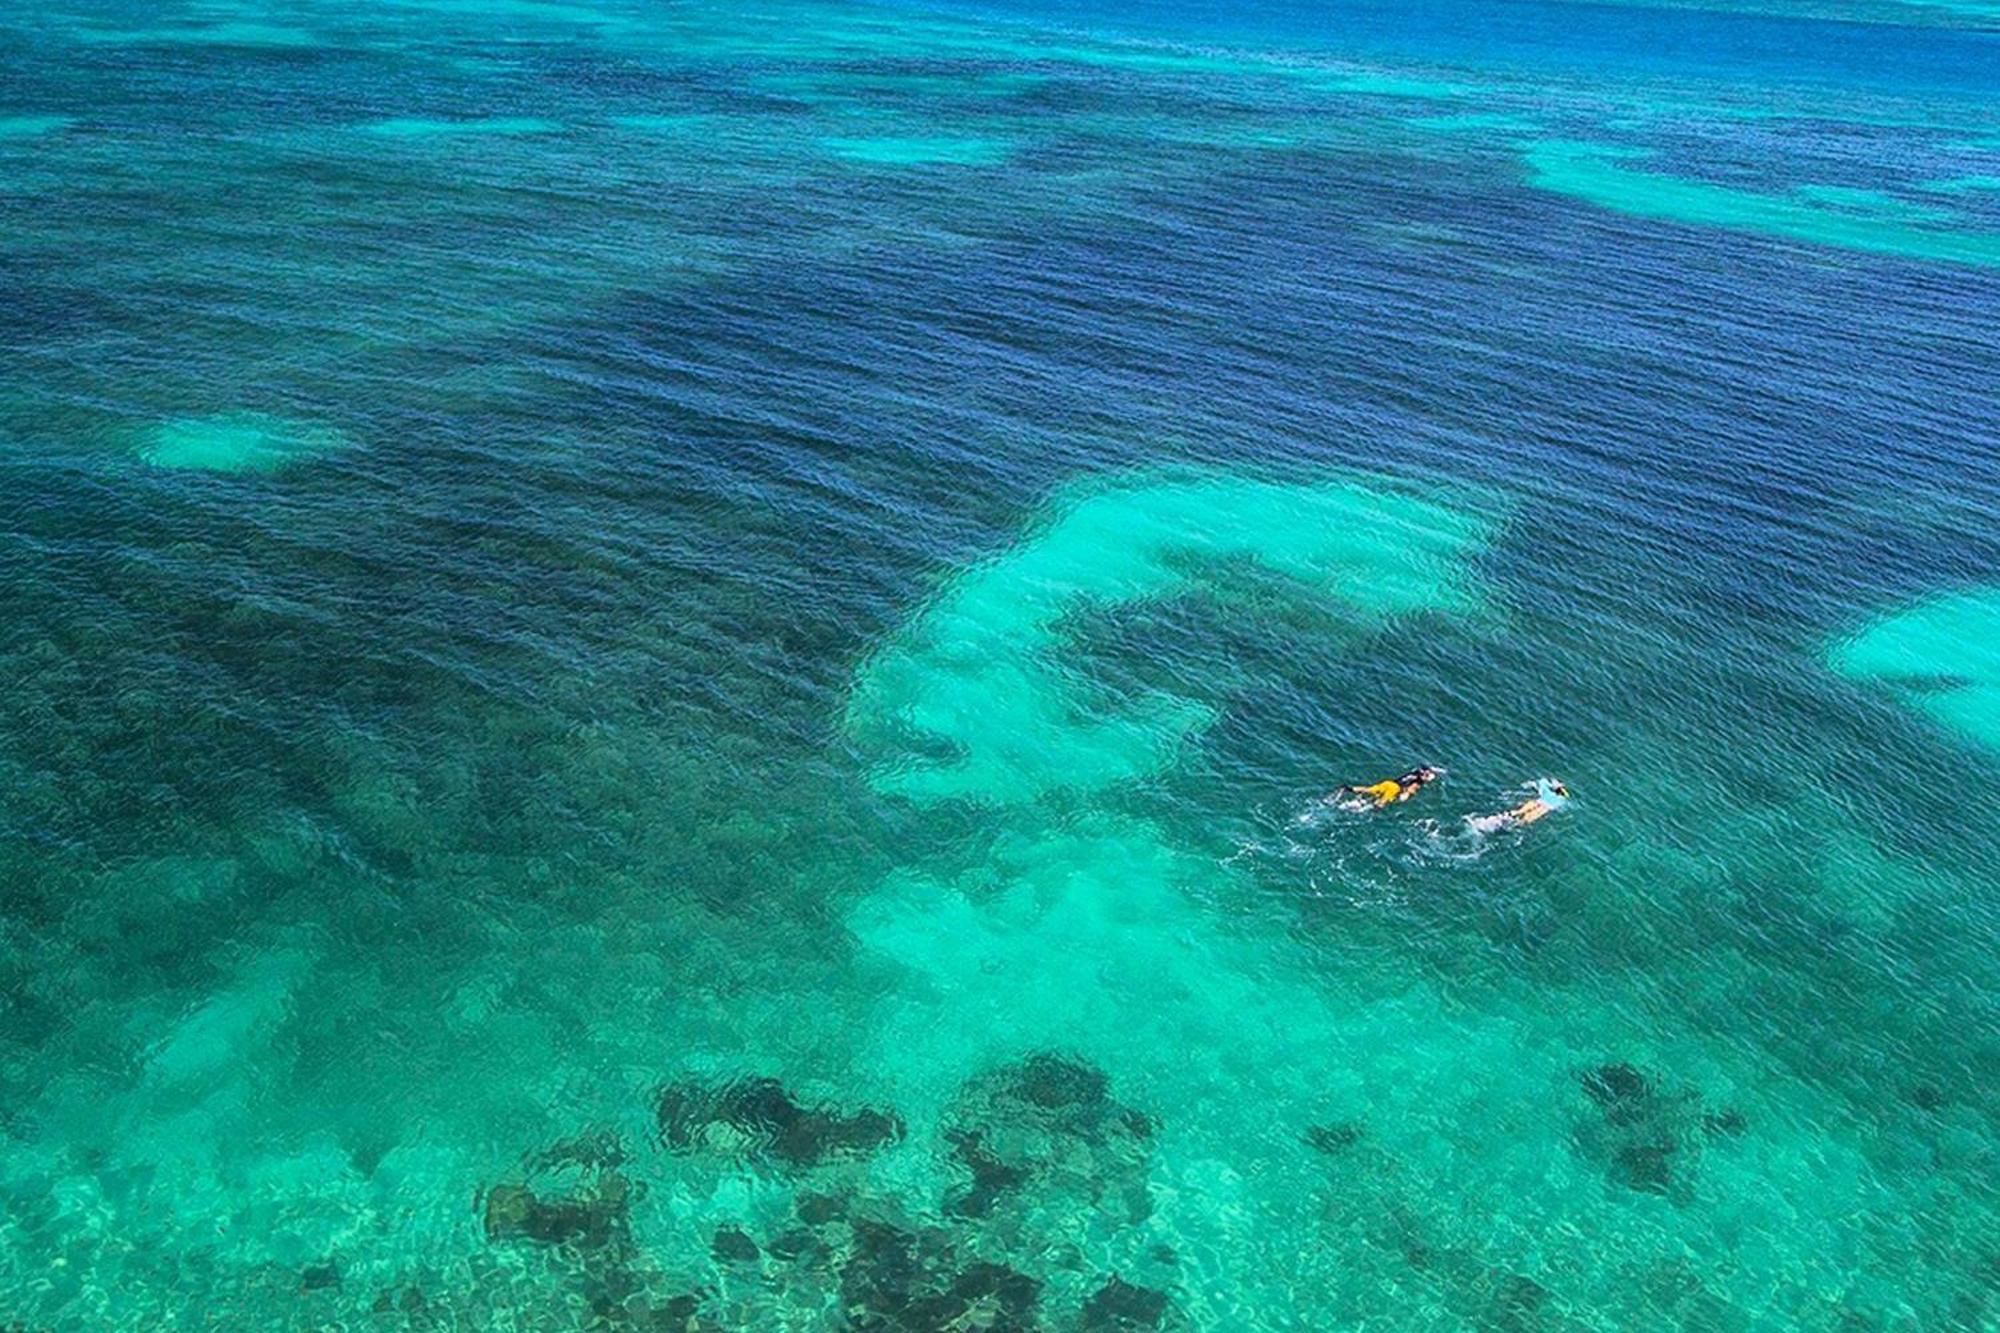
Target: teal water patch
1319, 1102
236, 442
243, 33
1873, 204
1981, 10
1600, 174
981, 676
421, 128
501, 13
1351, 1127
29, 127
902, 151
1941, 657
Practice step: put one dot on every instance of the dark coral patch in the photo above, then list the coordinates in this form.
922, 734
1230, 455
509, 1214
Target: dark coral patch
1518, 1302
1049, 1123
1646, 1167
1333, 1139
816, 1210
678, 1314
1057, 1083
1619, 1090
1119, 1305
733, 1246
796, 1245
1648, 1136
991, 1176
514, 1212
760, 1118
899, 1279
1726, 1123
572, 1195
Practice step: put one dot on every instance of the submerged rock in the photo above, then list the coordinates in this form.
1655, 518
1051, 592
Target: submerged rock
1049, 1123
1647, 1137
1727, 1122
1119, 1304
735, 1247
899, 1279
680, 1313
991, 1177
760, 1118
1333, 1139
1060, 1084
590, 1215
1619, 1090
796, 1245
514, 1213
817, 1210
1517, 1303
1647, 1167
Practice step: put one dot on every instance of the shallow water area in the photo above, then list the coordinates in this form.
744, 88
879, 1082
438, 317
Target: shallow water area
917, 152
413, 128
1828, 215
236, 442
976, 673
1942, 657
29, 127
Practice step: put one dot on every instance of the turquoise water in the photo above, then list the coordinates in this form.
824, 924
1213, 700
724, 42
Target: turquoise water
680, 667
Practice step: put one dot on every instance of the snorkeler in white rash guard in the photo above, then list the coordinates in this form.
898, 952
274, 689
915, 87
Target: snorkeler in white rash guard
1550, 796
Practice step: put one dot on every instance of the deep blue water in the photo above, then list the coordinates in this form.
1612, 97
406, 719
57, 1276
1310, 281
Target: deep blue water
1887, 46
679, 667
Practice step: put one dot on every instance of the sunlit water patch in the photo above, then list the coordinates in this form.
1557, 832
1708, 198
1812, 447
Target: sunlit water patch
1941, 657
980, 677
29, 127
417, 128
237, 33
1609, 177
911, 152
236, 442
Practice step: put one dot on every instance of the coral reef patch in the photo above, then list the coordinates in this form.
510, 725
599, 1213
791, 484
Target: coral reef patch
760, 1118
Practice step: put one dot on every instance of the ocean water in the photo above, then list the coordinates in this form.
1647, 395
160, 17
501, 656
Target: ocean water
679, 667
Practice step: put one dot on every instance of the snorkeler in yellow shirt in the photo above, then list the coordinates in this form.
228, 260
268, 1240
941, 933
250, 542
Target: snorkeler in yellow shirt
1389, 791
